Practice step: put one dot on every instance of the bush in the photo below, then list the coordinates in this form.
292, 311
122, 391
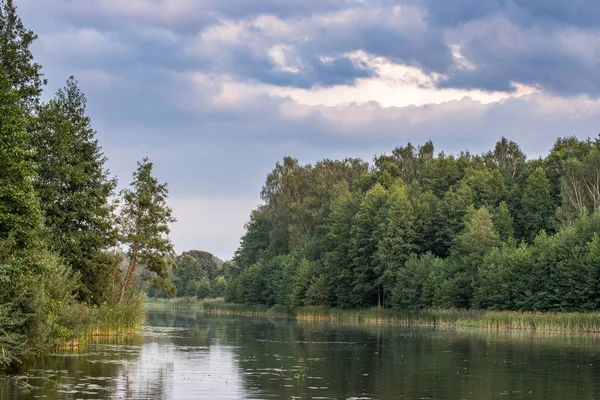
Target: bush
39, 310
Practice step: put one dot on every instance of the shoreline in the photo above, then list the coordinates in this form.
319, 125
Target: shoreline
572, 322
80, 325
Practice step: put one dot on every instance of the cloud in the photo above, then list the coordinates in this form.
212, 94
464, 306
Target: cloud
367, 112
394, 85
184, 14
552, 45
215, 92
316, 46
86, 42
562, 61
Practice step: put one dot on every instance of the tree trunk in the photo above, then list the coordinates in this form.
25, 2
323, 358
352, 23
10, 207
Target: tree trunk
130, 270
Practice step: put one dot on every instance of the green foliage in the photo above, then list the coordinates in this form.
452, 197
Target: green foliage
487, 187
470, 247
23, 74
536, 207
20, 217
316, 294
367, 231
219, 287
75, 190
255, 244
398, 240
503, 222
196, 274
450, 214
581, 184
188, 274
414, 287
557, 273
509, 158
337, 260
144, 224
57, 233
39, 310
417, 230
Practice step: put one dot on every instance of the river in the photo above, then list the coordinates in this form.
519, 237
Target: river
189, 356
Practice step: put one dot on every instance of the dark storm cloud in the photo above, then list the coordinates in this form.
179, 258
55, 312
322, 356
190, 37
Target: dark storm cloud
579, 13
550, 44
314, 73
562, 61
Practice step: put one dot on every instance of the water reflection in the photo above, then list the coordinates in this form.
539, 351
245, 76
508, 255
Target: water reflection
187, 356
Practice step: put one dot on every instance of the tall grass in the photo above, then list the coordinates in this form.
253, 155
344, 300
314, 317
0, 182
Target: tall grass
527, 321
81, 322
496, 320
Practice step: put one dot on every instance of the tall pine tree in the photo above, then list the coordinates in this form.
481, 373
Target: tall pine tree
75, 191
20, 71
20, 87
20, 217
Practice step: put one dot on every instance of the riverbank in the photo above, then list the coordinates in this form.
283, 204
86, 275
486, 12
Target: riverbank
119, 320
70, 326
505, 320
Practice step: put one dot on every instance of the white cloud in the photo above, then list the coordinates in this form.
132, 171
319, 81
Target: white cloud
394, 85
402, 100
226, 32
461, 61
285, 59
267, 35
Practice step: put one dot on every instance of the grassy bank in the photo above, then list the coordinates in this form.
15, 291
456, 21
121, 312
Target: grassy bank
526, 321
109, 321
506, 320
66, 326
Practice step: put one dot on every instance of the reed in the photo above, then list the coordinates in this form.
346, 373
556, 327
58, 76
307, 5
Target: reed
80, 322
513, 320
505, 320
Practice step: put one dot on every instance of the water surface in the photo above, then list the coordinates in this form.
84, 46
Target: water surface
189, 356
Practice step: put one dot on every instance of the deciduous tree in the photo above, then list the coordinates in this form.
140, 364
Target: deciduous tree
144, 224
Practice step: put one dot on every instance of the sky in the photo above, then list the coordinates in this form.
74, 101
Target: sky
215, 92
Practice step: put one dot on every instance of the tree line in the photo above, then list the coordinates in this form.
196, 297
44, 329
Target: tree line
415, 229
61, 219
197, 274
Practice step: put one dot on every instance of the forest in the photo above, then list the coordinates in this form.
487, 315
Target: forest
63, 226
417, 229
196, 274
